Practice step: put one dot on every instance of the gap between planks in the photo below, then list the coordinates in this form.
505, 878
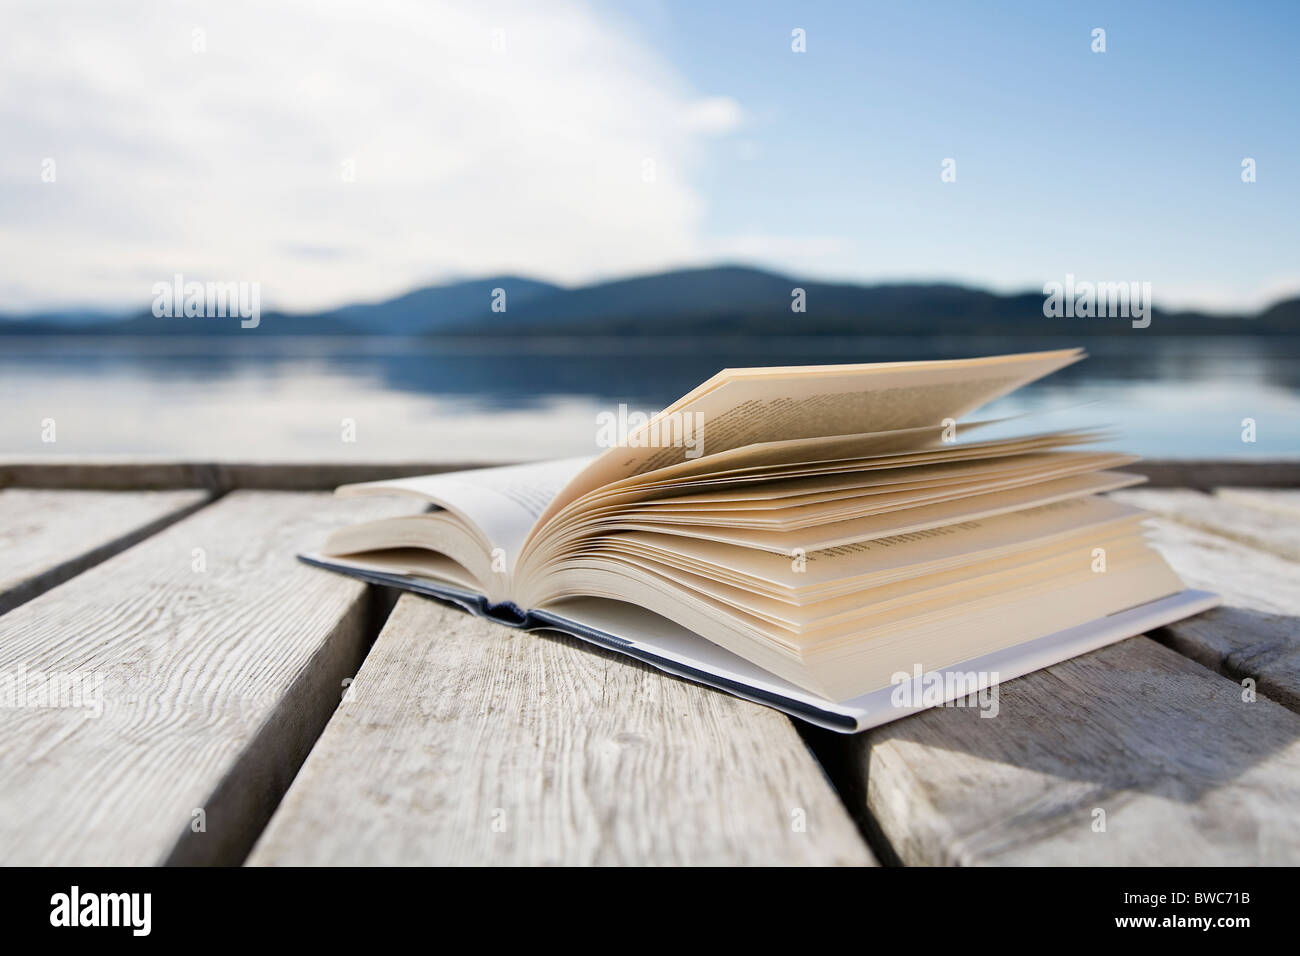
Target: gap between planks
48, 537
214, 682
215, 476
1132, 755
222, 476
465, 742
1240, 551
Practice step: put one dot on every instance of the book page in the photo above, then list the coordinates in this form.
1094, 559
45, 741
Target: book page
783, 492
961, 542
739, 407
796, 515
934, 630
796, 451
901, 522
1025, 568
501, 504
437, 532
616, 497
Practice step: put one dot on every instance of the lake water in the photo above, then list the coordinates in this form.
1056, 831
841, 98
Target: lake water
258, 398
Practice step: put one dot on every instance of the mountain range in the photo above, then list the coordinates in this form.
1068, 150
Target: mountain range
714, 301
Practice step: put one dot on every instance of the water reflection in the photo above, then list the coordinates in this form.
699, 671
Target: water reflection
260, 397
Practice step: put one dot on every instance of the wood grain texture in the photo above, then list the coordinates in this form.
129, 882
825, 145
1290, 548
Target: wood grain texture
215, 683
1256, 633
218, 476
128, 473
1225, 516
46, 537
1184, 770
1277, 501
464, 742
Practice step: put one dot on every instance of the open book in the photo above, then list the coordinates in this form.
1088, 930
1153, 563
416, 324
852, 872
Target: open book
824, 539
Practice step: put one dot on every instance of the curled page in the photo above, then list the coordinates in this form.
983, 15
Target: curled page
740, 407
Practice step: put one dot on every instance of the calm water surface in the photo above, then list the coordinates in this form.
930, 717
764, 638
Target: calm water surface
288, 398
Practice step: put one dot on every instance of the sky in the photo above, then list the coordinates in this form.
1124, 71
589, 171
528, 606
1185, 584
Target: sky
338, 152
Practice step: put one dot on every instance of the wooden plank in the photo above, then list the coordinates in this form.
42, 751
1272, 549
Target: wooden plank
1256, 634
464, 742
1184, 771
47, 537
1207, 474
128, 474
1225, 517
203, 686
1277, 501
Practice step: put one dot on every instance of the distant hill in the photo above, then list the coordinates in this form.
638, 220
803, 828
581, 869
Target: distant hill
438, 307
735, 300
69, 317
1285, 313
714, 301
148, 324
414, 313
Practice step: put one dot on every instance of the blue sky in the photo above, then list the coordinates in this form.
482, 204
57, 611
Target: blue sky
209, 138
1124, 164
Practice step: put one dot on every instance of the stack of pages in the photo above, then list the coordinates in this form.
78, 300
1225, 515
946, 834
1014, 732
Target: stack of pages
806, 537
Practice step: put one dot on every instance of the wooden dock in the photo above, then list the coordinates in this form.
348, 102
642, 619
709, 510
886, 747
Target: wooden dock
249, 709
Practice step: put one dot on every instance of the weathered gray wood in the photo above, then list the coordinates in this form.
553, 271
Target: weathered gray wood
128, 474
216, 679
1276, 501
1184, 770
464, 742
47, 537
1256, 634
1225, 517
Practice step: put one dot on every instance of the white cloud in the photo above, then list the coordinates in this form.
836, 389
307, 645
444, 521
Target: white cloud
715, 115
475, 150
